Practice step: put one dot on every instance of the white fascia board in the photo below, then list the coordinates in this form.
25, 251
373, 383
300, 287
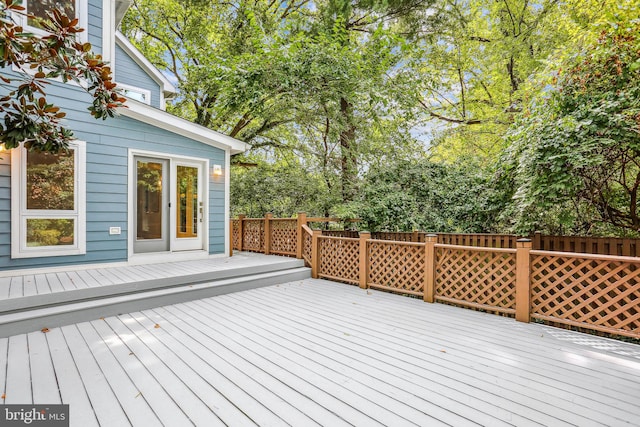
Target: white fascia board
143, 62
163, 120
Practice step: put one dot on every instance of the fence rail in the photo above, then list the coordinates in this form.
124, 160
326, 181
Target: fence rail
496, 273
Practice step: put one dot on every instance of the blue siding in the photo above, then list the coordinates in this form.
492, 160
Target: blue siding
95, 25
108, 143
128, 72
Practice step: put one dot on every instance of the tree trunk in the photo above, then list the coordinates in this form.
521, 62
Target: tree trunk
348, 153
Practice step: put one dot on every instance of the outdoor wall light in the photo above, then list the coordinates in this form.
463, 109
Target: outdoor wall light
217, 170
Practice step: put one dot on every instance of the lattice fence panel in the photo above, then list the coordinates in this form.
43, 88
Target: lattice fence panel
284, 236
253, 239
237, 238
479, 277
397, 266
339, 259
596, 294
306, 249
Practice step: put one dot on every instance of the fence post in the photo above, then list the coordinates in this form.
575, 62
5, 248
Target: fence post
429, 289
267, 233
302, 220
230, 237
537, 241
523, 279
241, 231
364, 259
315, 253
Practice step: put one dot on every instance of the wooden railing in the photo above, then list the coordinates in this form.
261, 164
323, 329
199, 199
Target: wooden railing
597, 292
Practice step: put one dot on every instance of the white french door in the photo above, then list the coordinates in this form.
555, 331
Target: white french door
189, 206
169, 204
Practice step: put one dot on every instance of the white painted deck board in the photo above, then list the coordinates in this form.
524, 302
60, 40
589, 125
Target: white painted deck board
405, 382
104, 402
266, 389
77, 280
88, 279
54, 282
18, 389
223, 410
16, 289
43, 377
389, 411
469, 354
329, 352
20, 283
497, 368
318, 352
42, 284
448, 374
129, 397
183, 396
29, 285
70, 383
268, 365
159, 400
66, 281
5, 286
476, 330
243, 389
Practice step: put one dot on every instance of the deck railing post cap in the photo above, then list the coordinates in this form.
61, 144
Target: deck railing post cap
432, 235
364, 232
524, 239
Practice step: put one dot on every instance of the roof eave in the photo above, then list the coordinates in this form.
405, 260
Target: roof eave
161, 119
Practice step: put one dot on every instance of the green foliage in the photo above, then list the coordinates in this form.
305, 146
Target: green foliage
428, 196
576, 151
29, 118
283, 188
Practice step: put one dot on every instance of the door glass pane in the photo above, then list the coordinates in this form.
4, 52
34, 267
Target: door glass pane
50, 232
50, 180
187, 223
149, 200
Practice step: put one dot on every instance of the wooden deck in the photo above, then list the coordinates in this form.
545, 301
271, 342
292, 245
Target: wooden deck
32, 300
25, 283
314, 352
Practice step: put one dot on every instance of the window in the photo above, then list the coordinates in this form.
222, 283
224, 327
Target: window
72, 8
136, 93
48, 202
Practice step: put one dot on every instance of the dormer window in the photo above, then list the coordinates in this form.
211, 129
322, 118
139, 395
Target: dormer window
136, 93
71, 8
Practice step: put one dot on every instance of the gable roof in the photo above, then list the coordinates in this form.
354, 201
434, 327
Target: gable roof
166, 86
167, 121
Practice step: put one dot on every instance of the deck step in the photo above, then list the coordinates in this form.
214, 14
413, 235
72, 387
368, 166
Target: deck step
30, 302
85, 304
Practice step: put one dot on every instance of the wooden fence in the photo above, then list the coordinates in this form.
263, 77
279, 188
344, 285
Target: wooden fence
597, 292
589, 245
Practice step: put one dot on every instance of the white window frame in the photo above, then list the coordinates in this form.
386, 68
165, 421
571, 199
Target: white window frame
81, 12
145, 92
20, 213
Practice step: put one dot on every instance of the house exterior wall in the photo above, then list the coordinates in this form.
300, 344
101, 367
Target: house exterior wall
107, 144
95, 25
128, 72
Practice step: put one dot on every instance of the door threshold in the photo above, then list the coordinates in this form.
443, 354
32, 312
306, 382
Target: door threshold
156, 257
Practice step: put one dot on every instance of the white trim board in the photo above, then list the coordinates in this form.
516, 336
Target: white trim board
163, 120
173, 158
144, 63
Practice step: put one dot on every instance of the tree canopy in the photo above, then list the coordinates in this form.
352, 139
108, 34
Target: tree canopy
471, 115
